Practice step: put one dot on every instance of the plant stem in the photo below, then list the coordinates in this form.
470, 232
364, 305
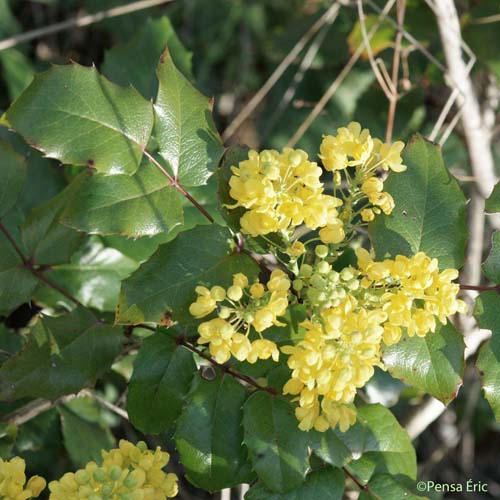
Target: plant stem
359, 484
225, 368
30, 265
481, 288
175, 183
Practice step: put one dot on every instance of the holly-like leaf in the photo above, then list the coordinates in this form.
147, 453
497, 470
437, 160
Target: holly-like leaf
324, 484
387, 486
73, 114
137, 205
135, 62
184, 127
278, 448
209, 434
12, 177
376, 443
493, 202
433, 364
488, 361
83, 439
63, 355
429, 215
164, 285
93, 276
162, 375
491, 266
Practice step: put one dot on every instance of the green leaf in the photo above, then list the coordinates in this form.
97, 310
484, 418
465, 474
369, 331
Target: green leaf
491, 266
430, 209
386, 486
433, 364
325, 484
493, 202
17, 71
161, 378
16, 282
488, 361
165, 284
184, 126
93, 276
278, 448
209, 434
62, 355
381, 40
83, 439
376, 443
12, 177
46, 240
137, 205
73, 114
135, 62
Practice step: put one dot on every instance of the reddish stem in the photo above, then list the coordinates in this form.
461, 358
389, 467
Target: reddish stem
481, 288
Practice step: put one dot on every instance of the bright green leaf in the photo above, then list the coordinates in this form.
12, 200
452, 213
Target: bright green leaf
63, 355
135, 62
324, 484
75, 115
433, 364
184, 126
375, 443
430, 209
278, 448
143, 204
381, 40
93, 276
165, 284
209, 434
488, 362
161, 378
12, 177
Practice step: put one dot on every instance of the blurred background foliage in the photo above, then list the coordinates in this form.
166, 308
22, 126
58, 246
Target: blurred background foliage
230, 48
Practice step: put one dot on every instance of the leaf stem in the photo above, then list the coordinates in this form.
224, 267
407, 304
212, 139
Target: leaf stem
175, 183
225, 368
360, 485
30, 265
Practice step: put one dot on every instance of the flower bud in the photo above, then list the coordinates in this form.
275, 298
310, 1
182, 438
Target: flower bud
321, 251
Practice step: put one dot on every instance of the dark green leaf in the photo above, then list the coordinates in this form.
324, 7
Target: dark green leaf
83, 439
433, 364
12, 177
488, 362
17, 71
386, 486
184, 127
430, 209
209, 434
135, 62
73, 114
325, 484
278, 448
491, 266
63, 355
493, 202
161, 378
375, 443
143, 204
165, 284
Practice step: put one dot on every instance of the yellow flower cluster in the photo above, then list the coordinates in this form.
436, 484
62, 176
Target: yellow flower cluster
130, 472
239, 308
281, 191
13, 484
354, 147
353, 313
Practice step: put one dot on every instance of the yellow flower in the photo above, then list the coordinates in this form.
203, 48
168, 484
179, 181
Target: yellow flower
297, 249
372, 185
130, 471
333, 232
13, 481
390, 156
367, 215
382, 200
